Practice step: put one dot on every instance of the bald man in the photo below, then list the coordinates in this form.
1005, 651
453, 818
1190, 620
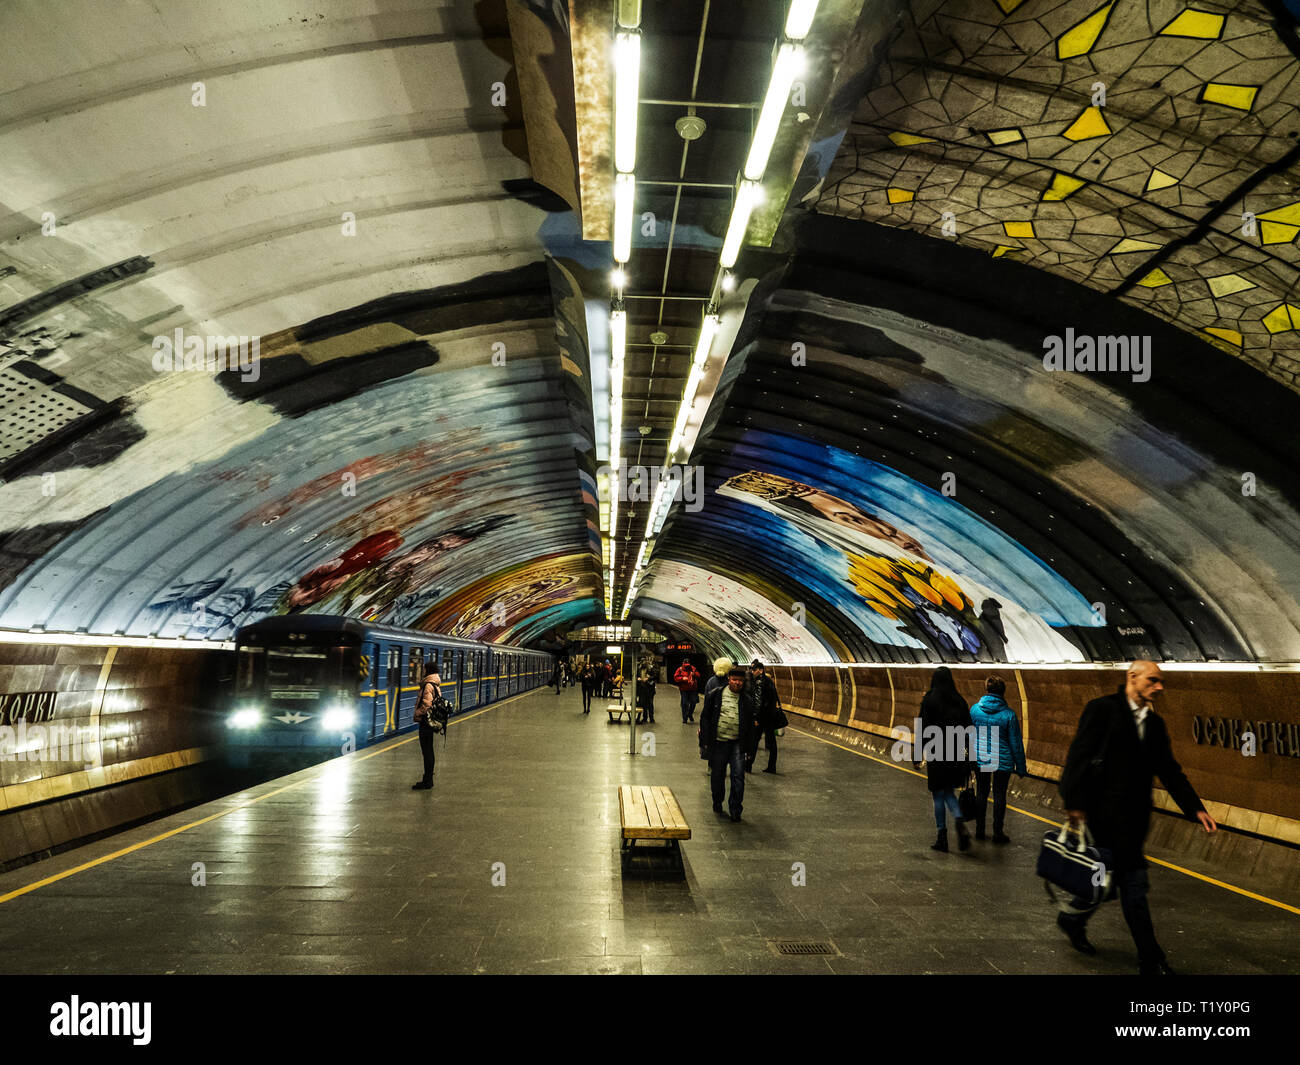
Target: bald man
1121, 745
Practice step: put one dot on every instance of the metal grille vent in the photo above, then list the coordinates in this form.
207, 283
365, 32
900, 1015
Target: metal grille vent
29, 411
802, 946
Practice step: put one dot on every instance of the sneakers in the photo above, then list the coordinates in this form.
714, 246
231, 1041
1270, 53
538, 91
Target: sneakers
422, 786
1078, 937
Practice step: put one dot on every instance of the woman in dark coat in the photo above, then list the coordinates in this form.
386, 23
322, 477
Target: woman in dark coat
947, 759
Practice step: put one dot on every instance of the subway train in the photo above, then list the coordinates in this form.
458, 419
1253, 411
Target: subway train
308, 686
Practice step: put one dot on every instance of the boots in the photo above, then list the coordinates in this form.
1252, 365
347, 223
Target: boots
963, 837
941, 844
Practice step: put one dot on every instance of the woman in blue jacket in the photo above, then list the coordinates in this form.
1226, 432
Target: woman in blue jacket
999, 750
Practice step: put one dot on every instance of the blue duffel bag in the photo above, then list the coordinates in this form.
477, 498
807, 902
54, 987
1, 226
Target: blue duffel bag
1082, 870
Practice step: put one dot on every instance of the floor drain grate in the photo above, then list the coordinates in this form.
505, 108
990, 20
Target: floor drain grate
802, 946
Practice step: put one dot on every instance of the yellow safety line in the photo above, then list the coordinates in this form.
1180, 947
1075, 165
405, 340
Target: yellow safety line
242, 806
1049, 821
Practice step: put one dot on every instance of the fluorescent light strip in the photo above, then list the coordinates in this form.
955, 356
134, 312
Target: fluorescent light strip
83, 639
746, 197
789, 61
627, 90
624, 194
799, 21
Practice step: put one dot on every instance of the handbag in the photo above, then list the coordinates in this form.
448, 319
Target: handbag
970, 806
1084, 871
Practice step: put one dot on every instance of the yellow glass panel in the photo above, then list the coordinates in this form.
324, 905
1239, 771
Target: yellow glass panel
1289, 214
1230, 335
1203, 25
1281, 318
1130, 244
906, 140
1062, 186
899, 195
1242, 97
1009, 6
1004, 136
1089, 124
1079, 38
1227, 284
1018, 229
1002, 250
1277, 233
1156, 279
1160, 180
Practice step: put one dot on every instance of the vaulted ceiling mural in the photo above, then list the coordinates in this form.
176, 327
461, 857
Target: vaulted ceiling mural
387, 211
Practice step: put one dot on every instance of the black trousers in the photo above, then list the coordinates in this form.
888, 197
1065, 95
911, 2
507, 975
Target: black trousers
998, 780
586, 698
769, 741
1133, 887
426, 749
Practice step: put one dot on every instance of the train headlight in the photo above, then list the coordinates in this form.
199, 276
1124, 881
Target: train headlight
338, 718
249, 717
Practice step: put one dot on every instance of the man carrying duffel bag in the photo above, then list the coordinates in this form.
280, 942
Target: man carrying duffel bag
1120, 746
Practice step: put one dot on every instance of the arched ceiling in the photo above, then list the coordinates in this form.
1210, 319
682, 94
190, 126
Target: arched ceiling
392, 199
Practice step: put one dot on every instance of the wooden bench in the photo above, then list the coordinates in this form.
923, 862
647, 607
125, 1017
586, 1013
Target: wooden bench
651, 812
619, 710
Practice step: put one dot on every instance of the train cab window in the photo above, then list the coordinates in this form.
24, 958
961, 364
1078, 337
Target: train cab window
249, 668
394, 661
297, 667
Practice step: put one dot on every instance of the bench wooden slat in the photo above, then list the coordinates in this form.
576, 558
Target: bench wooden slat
651, 813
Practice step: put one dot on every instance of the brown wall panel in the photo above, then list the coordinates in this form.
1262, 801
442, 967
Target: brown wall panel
1259, 793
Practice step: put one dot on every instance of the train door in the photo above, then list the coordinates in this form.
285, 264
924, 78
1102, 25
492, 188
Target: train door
392, 686
372, 706
469, 679
451, 677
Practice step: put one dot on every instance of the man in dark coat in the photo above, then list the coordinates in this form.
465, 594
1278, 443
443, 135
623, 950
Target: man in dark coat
727, 725
1121, 744
769, 709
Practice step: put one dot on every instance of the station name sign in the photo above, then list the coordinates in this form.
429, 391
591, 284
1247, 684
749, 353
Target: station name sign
1271, 737
29, 706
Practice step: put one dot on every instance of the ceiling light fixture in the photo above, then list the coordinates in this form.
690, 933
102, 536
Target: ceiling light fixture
789, 62
747, 196
627, 88
799, 21
624, 193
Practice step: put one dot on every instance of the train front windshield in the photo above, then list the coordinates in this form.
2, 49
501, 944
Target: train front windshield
300, 669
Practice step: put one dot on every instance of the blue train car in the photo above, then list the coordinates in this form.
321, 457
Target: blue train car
317, 685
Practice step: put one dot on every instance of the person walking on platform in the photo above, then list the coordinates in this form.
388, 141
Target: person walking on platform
1120, 746
557, 677
588, 687
726, 724
947, 763
998, 750
687, 679
769, 715
721, 667
430, 692
645, 689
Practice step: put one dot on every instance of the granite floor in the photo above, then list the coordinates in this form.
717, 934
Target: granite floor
342, 868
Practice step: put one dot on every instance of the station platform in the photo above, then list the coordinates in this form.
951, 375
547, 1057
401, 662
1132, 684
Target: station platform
511, 865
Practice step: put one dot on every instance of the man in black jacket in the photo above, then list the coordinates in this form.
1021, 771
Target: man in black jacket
769, 706
1121, 744
727, 725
